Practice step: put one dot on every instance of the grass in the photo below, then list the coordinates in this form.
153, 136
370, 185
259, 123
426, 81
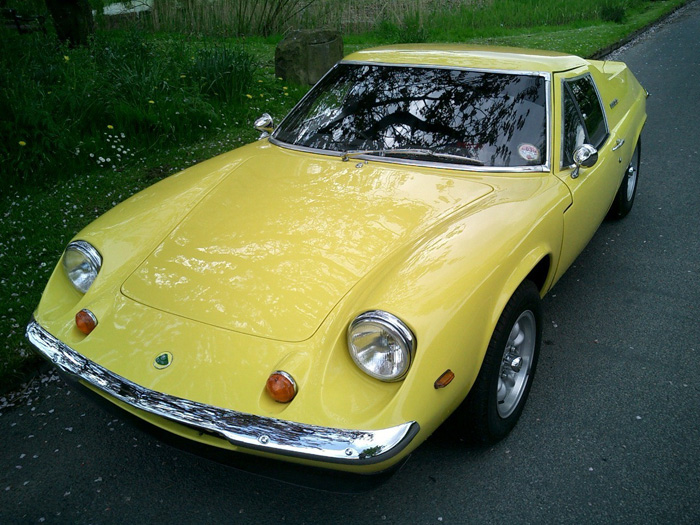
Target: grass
579, 27
450, 20
92, 137
61, 107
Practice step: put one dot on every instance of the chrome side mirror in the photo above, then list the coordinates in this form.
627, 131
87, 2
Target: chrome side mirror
585, 156
265, 125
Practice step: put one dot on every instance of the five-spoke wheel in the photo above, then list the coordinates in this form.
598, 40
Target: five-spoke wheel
516, 364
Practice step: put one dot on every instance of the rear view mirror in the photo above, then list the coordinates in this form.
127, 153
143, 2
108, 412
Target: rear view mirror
584, 156
264, 124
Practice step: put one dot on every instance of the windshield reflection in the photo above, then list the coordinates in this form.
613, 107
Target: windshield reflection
498, 119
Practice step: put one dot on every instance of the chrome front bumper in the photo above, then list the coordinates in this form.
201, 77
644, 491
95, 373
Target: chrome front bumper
275, 436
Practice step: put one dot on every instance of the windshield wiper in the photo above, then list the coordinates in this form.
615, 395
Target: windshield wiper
411, 151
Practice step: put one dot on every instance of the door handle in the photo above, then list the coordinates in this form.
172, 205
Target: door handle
618, 144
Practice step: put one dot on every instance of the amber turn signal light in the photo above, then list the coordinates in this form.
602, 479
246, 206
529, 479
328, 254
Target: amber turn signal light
281, 387
86, 321
445, 379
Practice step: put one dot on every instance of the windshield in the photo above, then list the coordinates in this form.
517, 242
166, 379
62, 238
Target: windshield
486, 118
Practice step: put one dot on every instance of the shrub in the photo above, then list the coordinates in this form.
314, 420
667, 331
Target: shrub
409, 31
612, 12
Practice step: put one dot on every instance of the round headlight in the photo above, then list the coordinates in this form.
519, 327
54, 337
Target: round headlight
81, 262
381, 345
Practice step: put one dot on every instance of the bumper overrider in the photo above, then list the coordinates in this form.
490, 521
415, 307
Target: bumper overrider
248, 431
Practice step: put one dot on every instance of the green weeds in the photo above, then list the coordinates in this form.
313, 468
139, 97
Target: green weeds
59, 105
232, 17
223, 72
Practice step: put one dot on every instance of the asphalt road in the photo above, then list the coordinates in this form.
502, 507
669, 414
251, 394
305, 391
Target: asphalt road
610, 434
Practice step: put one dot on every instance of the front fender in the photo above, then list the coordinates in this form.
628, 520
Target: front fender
127, 233
450, 287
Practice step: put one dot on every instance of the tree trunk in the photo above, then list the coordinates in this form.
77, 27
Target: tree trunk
72, 20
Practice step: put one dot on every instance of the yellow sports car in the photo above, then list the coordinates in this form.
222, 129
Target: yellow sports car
331, 293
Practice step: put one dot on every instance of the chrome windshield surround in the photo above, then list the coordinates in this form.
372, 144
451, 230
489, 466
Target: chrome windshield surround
412, 162
275, 436
545, 167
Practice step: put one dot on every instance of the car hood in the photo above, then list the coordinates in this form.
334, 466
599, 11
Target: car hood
279, 241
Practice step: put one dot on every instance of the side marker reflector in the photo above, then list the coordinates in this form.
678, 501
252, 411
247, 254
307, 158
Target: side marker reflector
445, 379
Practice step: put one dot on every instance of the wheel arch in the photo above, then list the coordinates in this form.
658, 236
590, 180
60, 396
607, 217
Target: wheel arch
539, 275
538, 267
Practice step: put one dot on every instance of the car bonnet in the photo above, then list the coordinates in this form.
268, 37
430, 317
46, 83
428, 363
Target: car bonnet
286, 235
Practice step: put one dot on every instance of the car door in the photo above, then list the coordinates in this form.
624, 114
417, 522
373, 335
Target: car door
582, 120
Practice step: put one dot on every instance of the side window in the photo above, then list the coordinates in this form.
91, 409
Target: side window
574, 129
584, 92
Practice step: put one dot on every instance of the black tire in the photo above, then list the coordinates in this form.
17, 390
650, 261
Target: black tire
624, 200
487, 416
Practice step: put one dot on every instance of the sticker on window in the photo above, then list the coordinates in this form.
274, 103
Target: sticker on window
529, 152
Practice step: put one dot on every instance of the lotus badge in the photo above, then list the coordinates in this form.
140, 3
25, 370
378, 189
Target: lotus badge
163, 360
